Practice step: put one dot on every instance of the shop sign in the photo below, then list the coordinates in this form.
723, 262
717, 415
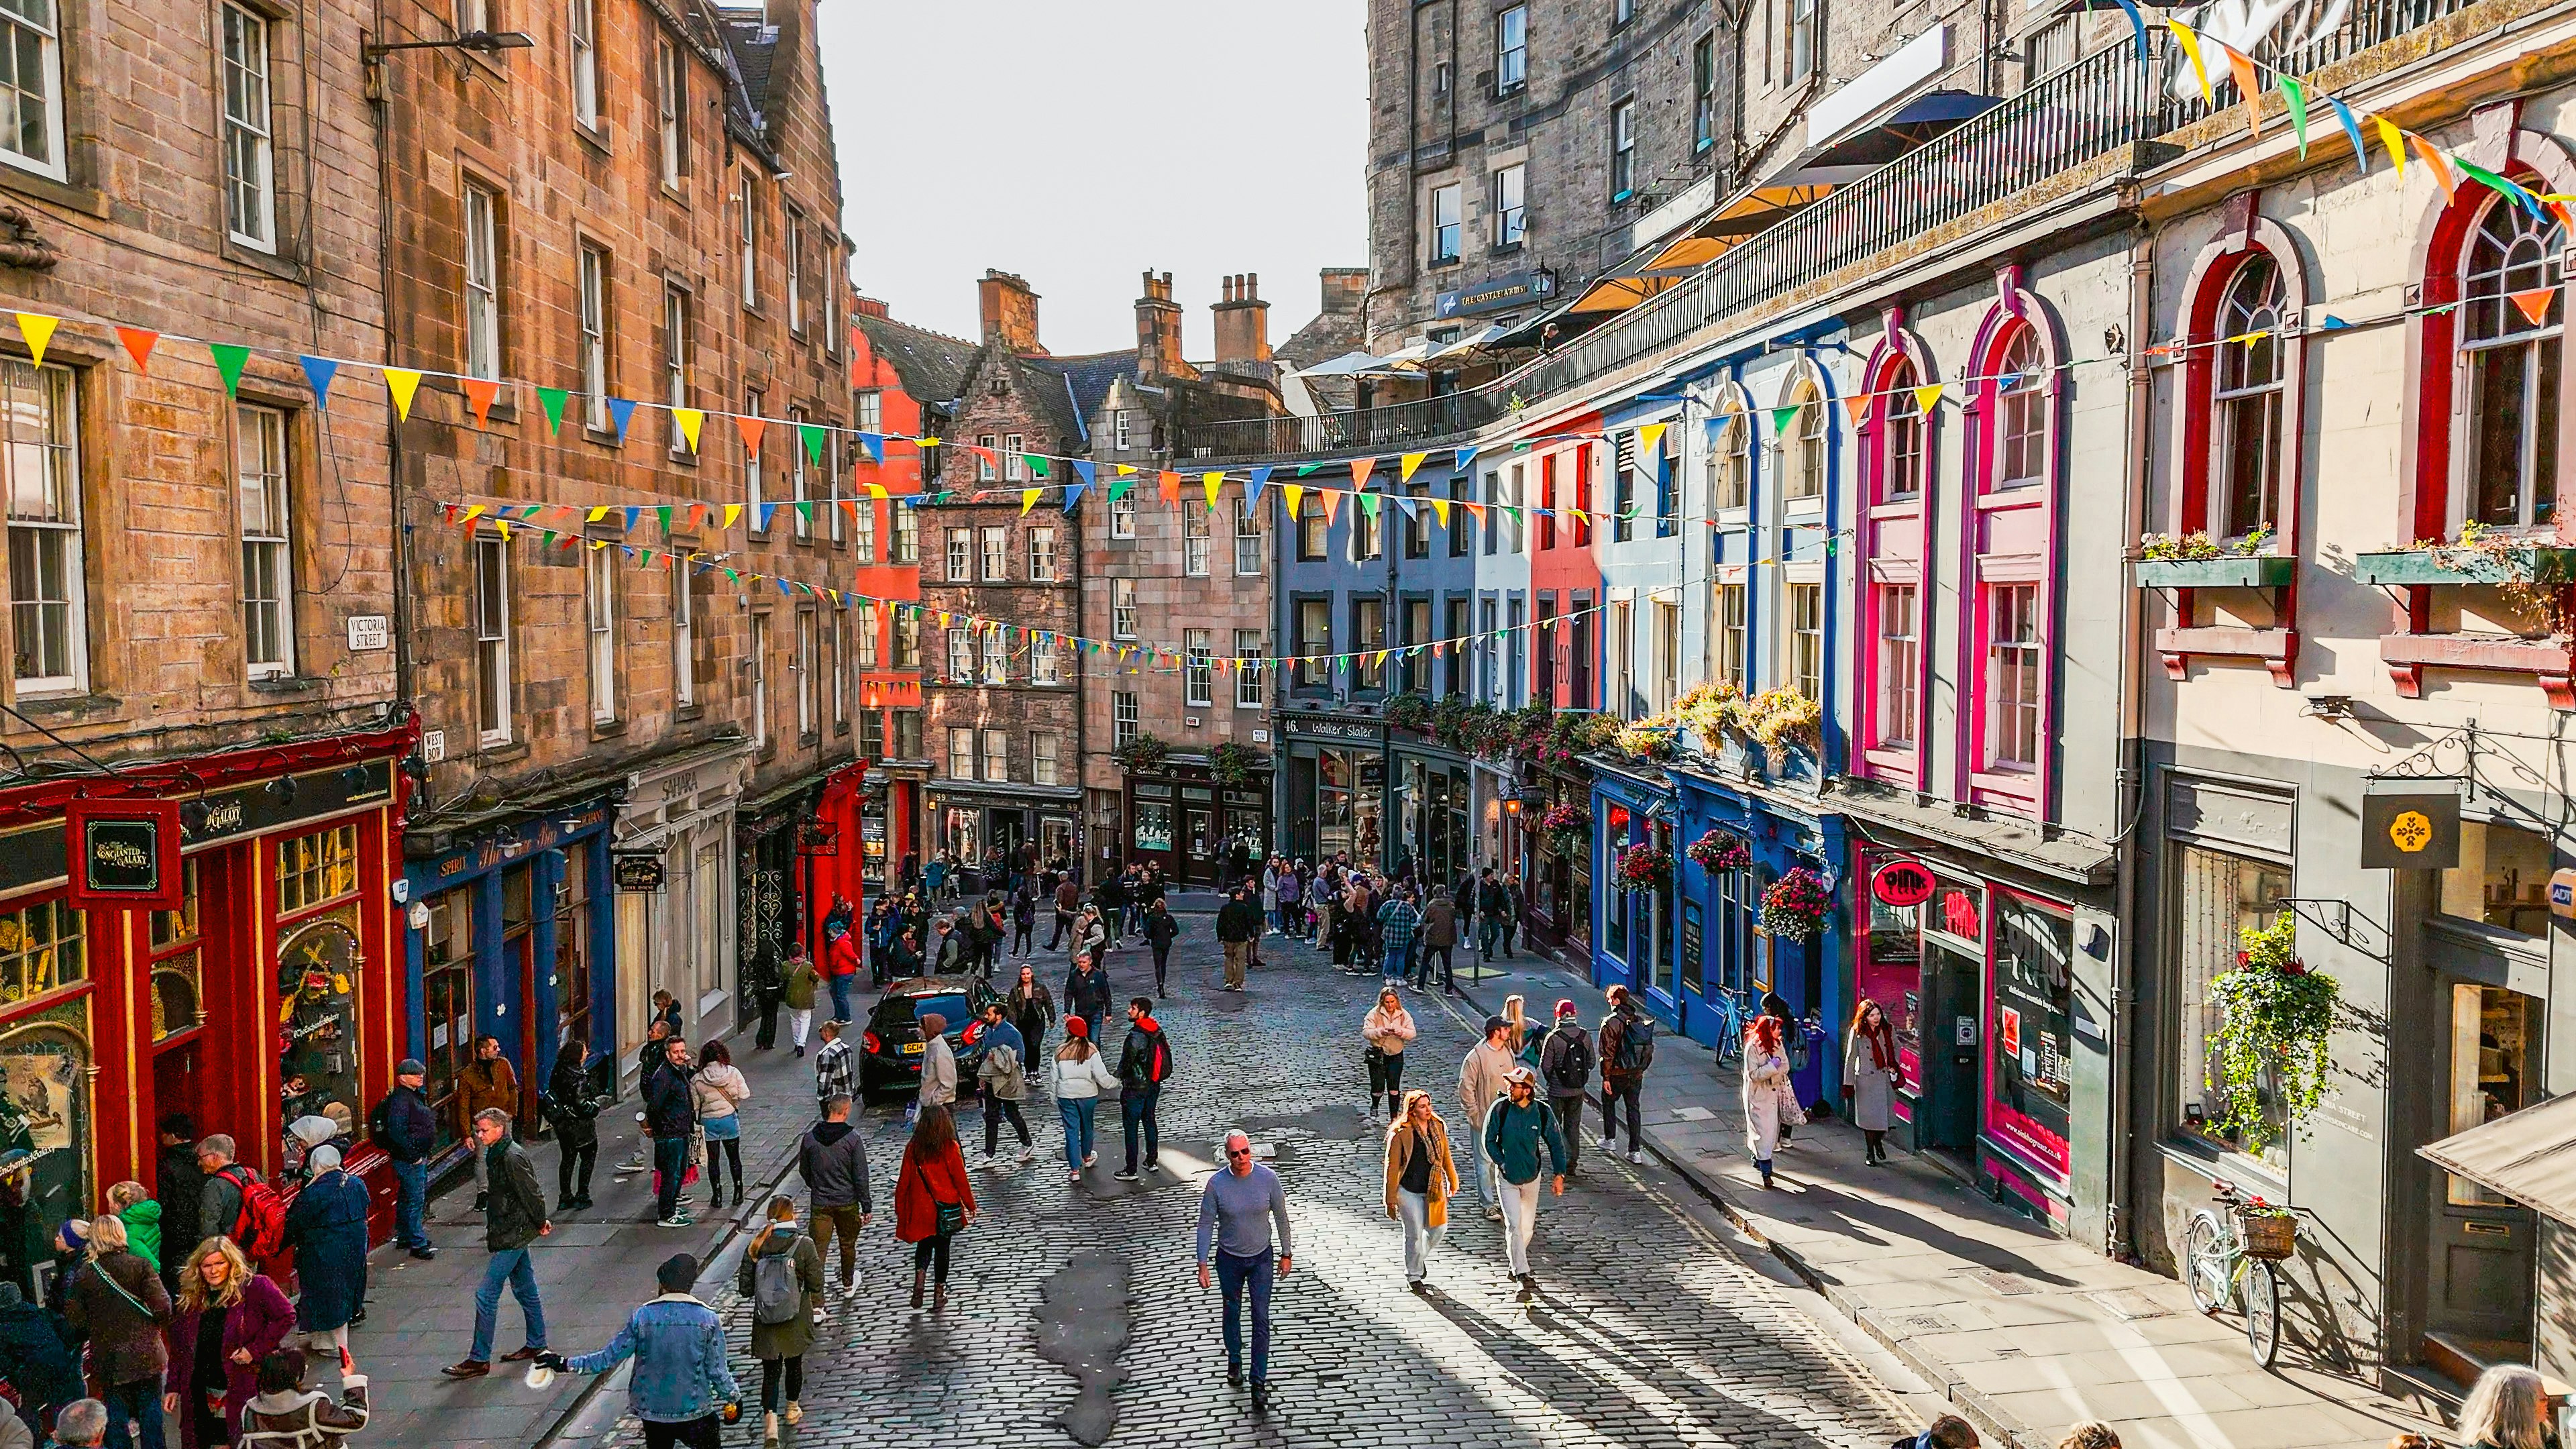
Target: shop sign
2410, 832
1901, 883
1499, 293
124, 854
1332, 729
638, 872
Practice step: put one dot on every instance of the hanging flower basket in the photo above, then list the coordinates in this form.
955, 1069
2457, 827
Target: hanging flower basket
1143, 755
1233, 764
1793, 909
1567, 827
2274, 1017
1721, 850
1645, 868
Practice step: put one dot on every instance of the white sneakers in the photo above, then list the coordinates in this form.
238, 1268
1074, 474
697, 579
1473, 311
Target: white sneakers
1028, 1154
1638, 1158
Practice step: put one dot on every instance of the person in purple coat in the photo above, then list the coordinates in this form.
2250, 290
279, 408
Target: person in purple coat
230, 1317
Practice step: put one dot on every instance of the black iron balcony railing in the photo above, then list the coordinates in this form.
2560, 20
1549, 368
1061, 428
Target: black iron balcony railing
2074, 118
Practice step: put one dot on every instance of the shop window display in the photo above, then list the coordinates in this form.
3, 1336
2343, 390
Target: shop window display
177, 981
1893, 977
2026, 1037
42, 946
317, 1064
2222, 897
2502, 879
44, 1138
447, 996
2492, 1060
315, 868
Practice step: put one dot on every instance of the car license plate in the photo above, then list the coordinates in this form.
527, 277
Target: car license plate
913, 1048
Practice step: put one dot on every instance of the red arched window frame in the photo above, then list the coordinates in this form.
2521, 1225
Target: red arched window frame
2015, 475
1897, 436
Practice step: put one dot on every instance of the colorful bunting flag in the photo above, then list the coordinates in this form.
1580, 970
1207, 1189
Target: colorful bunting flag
2138, 32
400, 382
2534, 304
1332, 500
2294, 96
1648, 436
689, 420
318, 372
875, 445
37, 330
1856, 405
2433, 159
619, 410
1466, 455
2242, 67
552, 400
2190, 44
1406, 463
1029, 499
1928, 396
138, 345
2351, 128
1785, 414
1118, 486
732, 515
1170, 484
480, 393
813, 434
1252, 490
230, 358
1360, 470
2393, 139
1292, 493
1037, 464
1305, 468
1212, 481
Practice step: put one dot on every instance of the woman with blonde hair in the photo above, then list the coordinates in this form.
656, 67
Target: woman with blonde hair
784, 1294
118, 1306
2090, 1434
2508, 1408
1421, 1177
230, 1316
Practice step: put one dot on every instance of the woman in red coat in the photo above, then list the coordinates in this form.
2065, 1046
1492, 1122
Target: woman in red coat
933, 1201
230, 1317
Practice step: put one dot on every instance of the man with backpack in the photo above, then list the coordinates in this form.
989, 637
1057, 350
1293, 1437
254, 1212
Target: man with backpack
1565, 1061
1627, 1051
1480, 1082
1143, 1067
238, 1203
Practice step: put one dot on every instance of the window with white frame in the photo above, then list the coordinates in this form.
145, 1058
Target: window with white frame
1123, 720
961, 655
807, 676
492, 639
759, 662
2012, 676
907, 644
675, 358
1122, 608
31, 86
1446, 215
871, 410
1041, 555
1195, 524
1807, 640
46, 586
867, 628
997, 655
1014, 466
250, 181
1313, 644
600, 574
671, 113
1515, 514
1729, 469
749, 238
1901, 435
482, 282
1511, 47
1043, 668
831, 466
997, 755
1042, 758
753, 478
1198, 671
839, 678
800, 488
834, 277
2022, 426
961, 754
1118, 427
1800, 53
996, 542
2513, 366
1623, 150
684, 639
1247, 539
863, 532
1247, 673
907, 536
1899, 656
985, 448
795, 250
584, 29
1510, 213
1122, 515
593, 282
2250, 387
1726, 634
1804, 447
268, 557
961, 555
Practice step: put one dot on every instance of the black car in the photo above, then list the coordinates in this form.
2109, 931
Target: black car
890, 1045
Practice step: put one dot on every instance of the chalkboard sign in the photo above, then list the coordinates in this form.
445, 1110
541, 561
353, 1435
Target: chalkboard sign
639, 872
124, 854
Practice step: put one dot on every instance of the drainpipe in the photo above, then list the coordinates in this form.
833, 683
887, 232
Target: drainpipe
2131, 783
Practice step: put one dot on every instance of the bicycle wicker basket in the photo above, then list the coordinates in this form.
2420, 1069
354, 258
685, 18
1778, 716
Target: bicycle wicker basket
2270, 1235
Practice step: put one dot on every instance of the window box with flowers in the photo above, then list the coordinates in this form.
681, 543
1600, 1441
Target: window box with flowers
2510, 611
2196, 561
1567, 828
1232, 764
1143, 755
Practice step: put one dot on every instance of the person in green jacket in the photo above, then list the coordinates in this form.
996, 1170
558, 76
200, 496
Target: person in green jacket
132, 1202
796, 989
1517, 1125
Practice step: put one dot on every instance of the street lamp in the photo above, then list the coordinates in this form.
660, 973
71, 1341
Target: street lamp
481, 42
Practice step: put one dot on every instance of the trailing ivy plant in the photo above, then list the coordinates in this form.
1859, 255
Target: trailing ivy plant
2274, 1015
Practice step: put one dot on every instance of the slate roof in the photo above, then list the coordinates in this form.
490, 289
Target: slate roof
933, 366
1086, 381
750, 48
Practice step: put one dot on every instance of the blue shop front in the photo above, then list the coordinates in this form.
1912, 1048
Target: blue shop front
506, 923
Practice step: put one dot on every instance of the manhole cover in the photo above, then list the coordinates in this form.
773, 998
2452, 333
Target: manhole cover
2004, 1283
2132, 1304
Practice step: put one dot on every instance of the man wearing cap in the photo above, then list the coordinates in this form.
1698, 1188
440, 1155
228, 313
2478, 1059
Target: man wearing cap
1565, 1062
1480, 1082
1515, 1129
407, 1130
680, 1387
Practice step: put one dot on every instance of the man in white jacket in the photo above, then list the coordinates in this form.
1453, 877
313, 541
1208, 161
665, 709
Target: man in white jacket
1480, 1081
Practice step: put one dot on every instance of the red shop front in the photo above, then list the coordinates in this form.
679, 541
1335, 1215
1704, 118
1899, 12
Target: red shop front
262, 993
831, 854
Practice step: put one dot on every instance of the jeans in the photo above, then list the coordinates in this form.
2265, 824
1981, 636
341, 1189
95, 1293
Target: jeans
1422, 966
411, 1204
841, 997
1162, 964
1079, 1114
1386, 1079
995, 1110
1063, 928
139, 1401
702, 1432
1137, 1109
670, 1163
1235, 1274
1419, 1236
1615, 1090
1569, 1125
1490, 928
841, 1222
1520, 1214
513, 1266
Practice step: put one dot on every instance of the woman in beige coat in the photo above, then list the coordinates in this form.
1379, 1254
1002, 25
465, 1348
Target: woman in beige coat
1421, 1177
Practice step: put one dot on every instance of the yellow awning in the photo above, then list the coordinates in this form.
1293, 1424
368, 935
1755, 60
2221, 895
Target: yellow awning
1742, 216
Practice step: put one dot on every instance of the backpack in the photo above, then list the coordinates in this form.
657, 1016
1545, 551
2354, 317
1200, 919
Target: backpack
1573, 1062
776, 1296
1636, 1043
261, 1228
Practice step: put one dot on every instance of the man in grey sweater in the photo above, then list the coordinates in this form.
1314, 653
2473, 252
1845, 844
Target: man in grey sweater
833, 1161
1236, 1214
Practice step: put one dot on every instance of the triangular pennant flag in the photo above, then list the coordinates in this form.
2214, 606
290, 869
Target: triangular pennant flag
502, 527
401, 382
2190, 44
632, 513
2351, 128
2511, 191
1305, 468
2334, 323
480, 392
1073, 493
1118, 487
1170, 484
751, 429
762, 514
1440, 510
2534, 304
1928, 396
875, 444
1252, 490
552, 400
231, 357
1212, 481
1466, 455
1125, 470
1029, 499
2242, 67
1087, 472
2433, 158
472, 513
1784, 415
619, 410
1292, 494
1369, 505
1478, 509
138, 345
37, 330
598, 511
805, 511
1037, 464
1405, 464
1332, 500
2295, 97
812, 433
732, 515
318, 372
1648, 436
1360, 470
2138, 32
690, 420
664, 514
1856, 405
2393, 139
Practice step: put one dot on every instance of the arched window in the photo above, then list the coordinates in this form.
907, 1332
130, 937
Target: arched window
1803, 447
2248, 393
2021, 417
1900, 434
2511, 359
1729, 466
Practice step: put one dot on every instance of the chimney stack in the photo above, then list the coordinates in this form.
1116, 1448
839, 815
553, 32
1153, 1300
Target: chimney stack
1242, 322
871, 307
1010, 312
1158, 331
1345, 289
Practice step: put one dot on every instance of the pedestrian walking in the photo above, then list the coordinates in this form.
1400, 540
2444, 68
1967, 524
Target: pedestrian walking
1068, 906
1769, 1101
118, 1306
287, 1415
230, 1316
841, 965
1143, 1066
1565, 1062
488, 1082
716, 1090
1238, 932
1627, 1052
1516, 1127
1086, 986
179, 1186
1386, 1029
1024, 918
1398, 921
1032, 1011
405, 1127
832, 1161
223, 1204
781, 1277
1481, 1078
680, 1387
671, 1118
933, 1201
835, 1067
1238, 1211
327, 1227
938, 1066
2094, 1434
1869, 1079
1001, 1077
2507, 1408
1077, 1077
1949, 1431
1161, 929
1421, 1177
513, 1220
796, 989
649, 1055
572, 1109
765, 978
1792, 1041
132, 1205
1493, 910
1439, 939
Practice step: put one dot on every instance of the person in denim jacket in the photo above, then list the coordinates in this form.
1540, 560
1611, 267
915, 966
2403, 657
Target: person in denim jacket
680, 1387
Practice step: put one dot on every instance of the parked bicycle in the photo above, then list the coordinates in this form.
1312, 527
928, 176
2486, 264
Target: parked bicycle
1735, 1011
2229, 1252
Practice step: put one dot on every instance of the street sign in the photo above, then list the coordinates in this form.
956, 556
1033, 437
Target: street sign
2410, 832
368, 632
1901, 883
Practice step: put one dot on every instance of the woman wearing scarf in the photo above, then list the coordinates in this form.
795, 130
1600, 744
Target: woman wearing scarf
1869, 1077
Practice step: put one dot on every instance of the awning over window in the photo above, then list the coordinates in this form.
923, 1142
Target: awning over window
2529, 1156
1742, 215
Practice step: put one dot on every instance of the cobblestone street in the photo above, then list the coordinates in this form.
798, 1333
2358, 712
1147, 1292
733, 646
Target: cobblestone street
1648, 1330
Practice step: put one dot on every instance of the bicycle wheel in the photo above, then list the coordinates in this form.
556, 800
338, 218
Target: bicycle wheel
2262, 1310
2205, 1262
1730, 1042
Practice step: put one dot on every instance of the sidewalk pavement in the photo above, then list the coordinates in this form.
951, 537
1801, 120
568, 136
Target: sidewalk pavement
591, 1272
2023, 1331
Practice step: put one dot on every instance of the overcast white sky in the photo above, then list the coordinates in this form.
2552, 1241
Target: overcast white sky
1078, 144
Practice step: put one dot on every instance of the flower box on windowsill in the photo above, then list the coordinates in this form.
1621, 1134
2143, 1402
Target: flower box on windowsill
2461, 564
2228, 571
